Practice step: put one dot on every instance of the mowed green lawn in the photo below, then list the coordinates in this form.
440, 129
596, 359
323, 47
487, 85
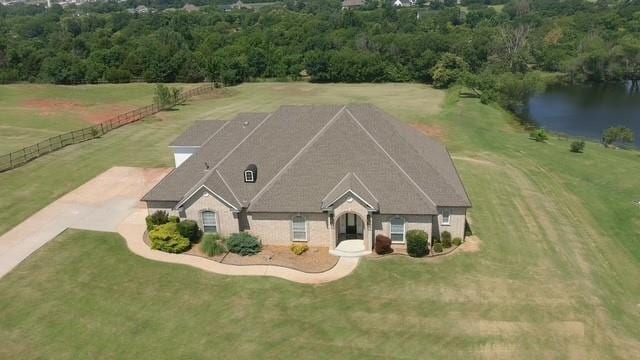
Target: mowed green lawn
556, 273
32, 113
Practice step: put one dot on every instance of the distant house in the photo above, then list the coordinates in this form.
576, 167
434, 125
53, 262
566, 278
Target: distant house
327, 176
404, 3
140, 9
240, 5
190, 8
352, 4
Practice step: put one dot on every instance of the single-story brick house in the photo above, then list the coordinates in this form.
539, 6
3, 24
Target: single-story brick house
313, 174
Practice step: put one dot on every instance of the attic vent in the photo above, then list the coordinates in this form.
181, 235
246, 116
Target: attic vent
251, 174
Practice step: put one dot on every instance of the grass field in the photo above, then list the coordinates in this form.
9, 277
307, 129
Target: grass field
556, 274
31, 113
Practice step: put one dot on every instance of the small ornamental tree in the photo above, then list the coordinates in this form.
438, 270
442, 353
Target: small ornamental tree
157, 218
417, 243
577, 146
383, 245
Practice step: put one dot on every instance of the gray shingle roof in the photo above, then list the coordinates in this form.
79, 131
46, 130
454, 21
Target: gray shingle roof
198, 133
308, 156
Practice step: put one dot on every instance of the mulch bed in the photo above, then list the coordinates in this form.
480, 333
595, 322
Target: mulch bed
314, 260
403, 252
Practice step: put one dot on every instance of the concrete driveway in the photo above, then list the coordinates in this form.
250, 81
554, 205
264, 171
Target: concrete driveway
100, 204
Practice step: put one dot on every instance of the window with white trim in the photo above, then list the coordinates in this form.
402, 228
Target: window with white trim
446, 216
209, 222
248, 176
397, 230
299, 226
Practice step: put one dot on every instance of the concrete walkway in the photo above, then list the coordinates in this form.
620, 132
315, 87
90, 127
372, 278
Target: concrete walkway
101, 204
110, 202
132, 229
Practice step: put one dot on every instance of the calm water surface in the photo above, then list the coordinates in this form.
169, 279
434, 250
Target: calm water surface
586, 110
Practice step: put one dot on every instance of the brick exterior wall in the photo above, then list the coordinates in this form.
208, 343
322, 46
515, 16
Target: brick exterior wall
203, 200
276, 228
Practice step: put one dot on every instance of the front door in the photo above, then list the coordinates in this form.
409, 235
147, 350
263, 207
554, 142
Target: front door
352, 226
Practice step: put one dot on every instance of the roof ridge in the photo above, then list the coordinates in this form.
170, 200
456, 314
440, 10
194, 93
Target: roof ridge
435, 169
297, 155
228, 187
336, 186
366, 187
391, 158
215, 132
215, 167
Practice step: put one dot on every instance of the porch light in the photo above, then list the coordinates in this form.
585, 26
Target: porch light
368, 219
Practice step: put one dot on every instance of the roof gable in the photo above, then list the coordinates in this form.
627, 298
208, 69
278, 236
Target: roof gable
350, 184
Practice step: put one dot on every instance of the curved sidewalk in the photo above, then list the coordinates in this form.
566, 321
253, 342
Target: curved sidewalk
133, 227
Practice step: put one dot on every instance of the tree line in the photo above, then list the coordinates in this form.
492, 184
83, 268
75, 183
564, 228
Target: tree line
493, 49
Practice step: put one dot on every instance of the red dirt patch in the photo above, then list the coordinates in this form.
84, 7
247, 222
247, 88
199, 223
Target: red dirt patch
90, 114
433, 131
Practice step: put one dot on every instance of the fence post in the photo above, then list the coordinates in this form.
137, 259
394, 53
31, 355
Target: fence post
10, 160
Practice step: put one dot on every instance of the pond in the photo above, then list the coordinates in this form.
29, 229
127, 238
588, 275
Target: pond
585, 110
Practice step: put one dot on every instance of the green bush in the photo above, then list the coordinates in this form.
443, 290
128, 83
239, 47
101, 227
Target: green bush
539, 135
157, 218
446, 239
299, 249
174, 219
577, 146
243, 244
190, 230
166, 238
417, 243
457, 241
437, 248
212, 245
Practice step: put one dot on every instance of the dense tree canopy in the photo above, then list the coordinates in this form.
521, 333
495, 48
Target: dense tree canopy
105, 42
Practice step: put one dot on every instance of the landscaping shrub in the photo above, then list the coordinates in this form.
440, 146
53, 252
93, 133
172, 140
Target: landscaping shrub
577, 146
417, 243
243, 244
457, 241
190, 230
174, 219
212, 245
166, 238
446, 239
157, 218
299, 249
437, 247
383, 245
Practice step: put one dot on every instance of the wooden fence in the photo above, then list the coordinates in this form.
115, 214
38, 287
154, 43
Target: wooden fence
24, 155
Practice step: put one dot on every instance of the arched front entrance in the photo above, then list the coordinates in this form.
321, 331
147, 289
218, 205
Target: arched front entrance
349, 226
